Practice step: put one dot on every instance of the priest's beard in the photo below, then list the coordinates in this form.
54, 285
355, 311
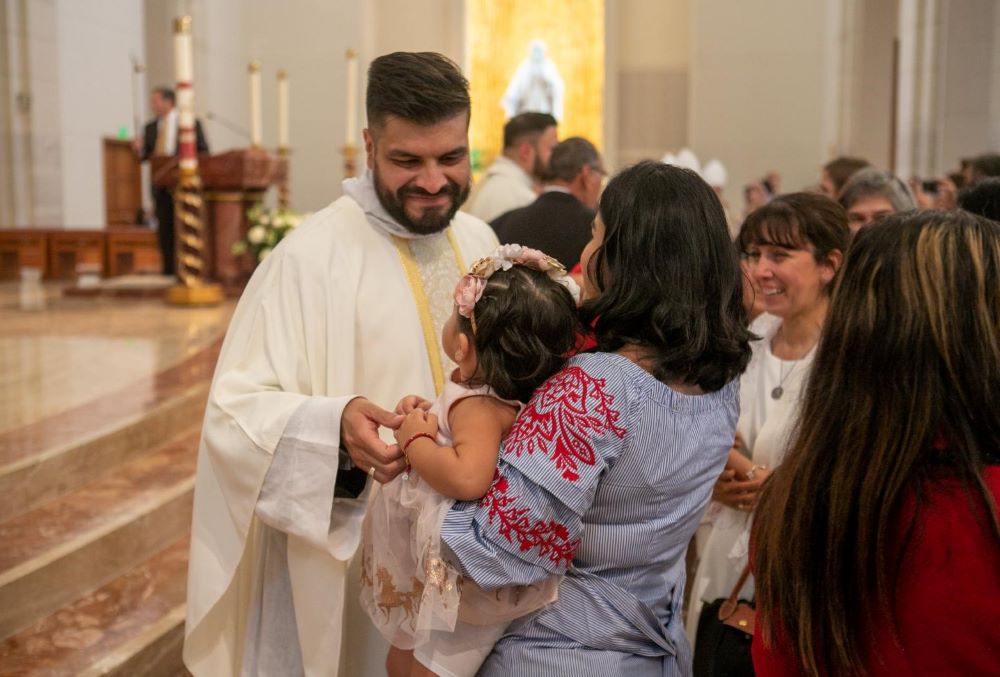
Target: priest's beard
429, 221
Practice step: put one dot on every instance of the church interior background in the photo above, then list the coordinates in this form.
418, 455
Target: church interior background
102, 385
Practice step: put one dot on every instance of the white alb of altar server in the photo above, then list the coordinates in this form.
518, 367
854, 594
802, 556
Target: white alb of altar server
351, 303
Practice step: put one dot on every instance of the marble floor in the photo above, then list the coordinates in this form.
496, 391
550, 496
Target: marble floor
76, 350
100, 407
72, 641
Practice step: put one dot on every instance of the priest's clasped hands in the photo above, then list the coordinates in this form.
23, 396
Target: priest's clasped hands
359, 424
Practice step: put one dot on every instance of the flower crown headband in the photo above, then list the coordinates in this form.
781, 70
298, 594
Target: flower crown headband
470, 287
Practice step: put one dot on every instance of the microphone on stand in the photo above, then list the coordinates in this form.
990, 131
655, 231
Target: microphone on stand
137, 70
228, 124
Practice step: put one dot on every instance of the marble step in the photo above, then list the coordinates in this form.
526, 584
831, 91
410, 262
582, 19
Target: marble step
64, 548
133, 625
32, 480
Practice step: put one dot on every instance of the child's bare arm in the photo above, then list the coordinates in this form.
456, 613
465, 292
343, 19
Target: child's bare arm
463, 471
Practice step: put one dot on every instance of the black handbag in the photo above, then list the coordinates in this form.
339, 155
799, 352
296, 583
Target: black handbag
725, 630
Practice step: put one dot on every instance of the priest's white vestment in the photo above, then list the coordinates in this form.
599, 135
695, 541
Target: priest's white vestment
349, 304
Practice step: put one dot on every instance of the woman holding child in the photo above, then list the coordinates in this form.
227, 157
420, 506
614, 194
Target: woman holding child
604, 474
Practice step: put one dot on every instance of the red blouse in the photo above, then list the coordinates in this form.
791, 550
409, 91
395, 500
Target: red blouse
948, 596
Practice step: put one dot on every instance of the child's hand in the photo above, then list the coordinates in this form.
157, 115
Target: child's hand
411, 402
416, 422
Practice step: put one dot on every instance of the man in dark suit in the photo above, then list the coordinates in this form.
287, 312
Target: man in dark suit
160, 138
558, 222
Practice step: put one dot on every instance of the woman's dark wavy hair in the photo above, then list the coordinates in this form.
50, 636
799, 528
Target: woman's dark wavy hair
668, 277
904, 391
526, 324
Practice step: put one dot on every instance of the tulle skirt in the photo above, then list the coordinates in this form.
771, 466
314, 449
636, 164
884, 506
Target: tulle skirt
410, 591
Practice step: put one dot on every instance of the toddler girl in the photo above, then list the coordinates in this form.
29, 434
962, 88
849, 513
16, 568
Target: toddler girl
513, 324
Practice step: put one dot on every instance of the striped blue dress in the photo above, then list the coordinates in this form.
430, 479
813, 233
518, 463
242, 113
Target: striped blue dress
603, 479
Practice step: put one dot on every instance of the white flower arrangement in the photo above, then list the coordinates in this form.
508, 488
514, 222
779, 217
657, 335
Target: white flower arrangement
268, 226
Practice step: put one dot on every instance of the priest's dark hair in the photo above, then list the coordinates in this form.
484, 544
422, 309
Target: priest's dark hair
421, 87
526, 324
667, 278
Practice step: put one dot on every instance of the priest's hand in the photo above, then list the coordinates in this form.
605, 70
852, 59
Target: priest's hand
411, 402
359, 424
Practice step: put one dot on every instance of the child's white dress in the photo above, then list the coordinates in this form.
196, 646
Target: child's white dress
414, 597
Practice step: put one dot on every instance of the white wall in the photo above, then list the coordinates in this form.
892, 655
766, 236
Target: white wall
969, 122
310, 44
757, 88
653, 66
33, 194
95, 40
869, 112
403, 25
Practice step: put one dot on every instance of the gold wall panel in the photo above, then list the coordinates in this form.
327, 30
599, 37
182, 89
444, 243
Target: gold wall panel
498, 33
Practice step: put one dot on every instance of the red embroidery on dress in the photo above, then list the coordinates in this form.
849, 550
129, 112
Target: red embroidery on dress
561, 416
550, 538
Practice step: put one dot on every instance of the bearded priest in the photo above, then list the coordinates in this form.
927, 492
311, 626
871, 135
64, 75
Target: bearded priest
342, 319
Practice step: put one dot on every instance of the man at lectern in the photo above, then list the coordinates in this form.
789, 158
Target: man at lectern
160, 138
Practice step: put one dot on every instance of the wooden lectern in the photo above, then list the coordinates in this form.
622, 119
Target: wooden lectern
233, 182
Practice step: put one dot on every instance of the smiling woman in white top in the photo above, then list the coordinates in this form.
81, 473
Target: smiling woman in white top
793, 247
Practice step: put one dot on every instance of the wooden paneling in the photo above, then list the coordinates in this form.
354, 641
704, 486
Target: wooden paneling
122, 183
125, 250
69, 249
22, 248
131, 251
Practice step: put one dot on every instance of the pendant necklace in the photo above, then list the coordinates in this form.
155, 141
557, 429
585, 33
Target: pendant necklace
779, 389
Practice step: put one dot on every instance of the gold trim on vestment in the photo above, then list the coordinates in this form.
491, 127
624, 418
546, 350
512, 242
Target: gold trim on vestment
413, 276
423, 310
462, 269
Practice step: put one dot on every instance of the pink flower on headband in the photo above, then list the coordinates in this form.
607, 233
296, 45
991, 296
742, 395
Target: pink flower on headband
470, 287
469, 290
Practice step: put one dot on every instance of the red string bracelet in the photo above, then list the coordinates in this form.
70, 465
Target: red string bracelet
416, 436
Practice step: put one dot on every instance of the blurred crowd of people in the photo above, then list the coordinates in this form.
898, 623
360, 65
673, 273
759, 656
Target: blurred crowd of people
920, 287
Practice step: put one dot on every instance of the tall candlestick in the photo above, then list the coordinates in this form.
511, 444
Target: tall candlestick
255, 117
282, 109
188, 200
351, 124
184, 75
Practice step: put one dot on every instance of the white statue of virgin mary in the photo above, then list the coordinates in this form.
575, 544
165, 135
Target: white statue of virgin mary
536, 86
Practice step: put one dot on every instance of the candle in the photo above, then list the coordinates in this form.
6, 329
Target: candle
282, 109
351, 124
255, 121
184, 74
183, 70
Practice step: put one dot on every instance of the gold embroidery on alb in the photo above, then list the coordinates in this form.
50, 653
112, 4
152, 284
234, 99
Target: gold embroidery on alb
433, 266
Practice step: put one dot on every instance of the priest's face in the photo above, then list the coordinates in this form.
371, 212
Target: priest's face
421, 172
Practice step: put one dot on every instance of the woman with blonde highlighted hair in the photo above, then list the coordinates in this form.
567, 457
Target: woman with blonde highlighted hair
877, 542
